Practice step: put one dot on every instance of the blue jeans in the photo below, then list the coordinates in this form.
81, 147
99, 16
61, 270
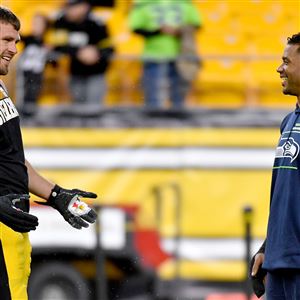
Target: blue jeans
159, 78
88, 89
283, 285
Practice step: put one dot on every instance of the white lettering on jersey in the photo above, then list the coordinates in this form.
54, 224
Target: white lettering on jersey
78, 39
8, 110
33, 59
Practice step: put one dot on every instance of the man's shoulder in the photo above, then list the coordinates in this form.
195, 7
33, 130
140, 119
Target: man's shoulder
285, 121
95, 19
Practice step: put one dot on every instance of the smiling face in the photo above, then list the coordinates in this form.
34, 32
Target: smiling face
289, 70
9, 37
77, 12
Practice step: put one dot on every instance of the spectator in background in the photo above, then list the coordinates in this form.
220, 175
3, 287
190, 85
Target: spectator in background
162, 23
31, 65
79, 34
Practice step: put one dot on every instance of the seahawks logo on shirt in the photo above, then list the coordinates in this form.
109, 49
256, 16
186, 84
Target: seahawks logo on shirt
290, 149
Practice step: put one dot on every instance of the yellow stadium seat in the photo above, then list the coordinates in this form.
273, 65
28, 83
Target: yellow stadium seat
222, 83
124, 90
221, 44
25, 10
268, 45
268, 83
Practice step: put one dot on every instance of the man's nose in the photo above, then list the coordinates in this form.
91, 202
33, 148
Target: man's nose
279, 69
13, 48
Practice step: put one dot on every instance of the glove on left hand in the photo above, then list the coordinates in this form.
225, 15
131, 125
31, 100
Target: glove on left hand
257, 280
76, 212
14, 217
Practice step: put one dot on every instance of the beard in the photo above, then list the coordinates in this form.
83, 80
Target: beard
3, 69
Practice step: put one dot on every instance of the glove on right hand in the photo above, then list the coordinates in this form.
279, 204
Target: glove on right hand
76, 212
14, 217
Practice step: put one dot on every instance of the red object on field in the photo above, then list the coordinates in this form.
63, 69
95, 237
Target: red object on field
147, 243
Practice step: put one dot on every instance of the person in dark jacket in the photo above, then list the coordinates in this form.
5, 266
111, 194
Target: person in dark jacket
78, 33
279, 257
31, 65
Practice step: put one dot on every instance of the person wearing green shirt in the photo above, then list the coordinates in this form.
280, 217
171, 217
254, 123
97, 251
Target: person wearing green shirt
162, 23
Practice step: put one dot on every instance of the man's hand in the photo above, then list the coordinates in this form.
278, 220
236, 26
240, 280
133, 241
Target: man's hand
258, 274
258, 260
88, 55
170, 30
14, 217
68, 203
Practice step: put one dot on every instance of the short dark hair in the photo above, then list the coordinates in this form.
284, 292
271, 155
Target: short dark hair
7, 16
294, 39
74, 2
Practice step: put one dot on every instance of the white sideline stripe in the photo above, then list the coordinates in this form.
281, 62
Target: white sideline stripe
54, 232
210, 249
149, 158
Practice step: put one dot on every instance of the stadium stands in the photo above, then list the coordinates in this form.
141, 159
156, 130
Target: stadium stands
250, 34
240, 43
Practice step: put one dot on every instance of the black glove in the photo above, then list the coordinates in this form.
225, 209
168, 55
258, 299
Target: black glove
68, 203
257, 280
14, 217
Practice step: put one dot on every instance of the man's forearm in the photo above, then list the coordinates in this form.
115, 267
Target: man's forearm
38, 185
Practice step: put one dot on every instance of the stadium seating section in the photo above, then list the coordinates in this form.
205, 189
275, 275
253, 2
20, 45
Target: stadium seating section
240, 42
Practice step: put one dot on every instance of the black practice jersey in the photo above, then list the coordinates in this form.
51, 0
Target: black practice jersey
13, 171
74, 36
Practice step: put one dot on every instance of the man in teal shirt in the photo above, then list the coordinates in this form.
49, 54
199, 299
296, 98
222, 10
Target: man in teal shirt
161, 23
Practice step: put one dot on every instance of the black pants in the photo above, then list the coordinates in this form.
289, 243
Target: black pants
283, 285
